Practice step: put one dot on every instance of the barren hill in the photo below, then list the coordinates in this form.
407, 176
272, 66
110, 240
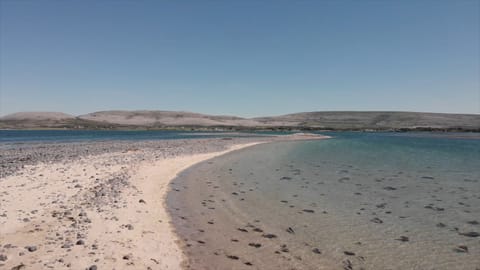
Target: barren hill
37, 116
165, 118
337, 120
375, 120
28, 120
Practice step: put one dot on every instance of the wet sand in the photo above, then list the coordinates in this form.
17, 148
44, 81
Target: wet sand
277, 206
225, 222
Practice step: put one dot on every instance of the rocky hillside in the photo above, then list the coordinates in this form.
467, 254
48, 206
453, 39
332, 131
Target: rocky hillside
165, 118
37, 116
346, 120
375, 120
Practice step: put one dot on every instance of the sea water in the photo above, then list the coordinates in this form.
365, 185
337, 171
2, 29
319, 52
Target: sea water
356, 201
65, 136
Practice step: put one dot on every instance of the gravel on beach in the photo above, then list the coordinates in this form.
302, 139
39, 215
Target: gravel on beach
13, 157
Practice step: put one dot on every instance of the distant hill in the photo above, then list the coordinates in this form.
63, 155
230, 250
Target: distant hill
37, 116
166, 118
336, 120
375, 120
24, 120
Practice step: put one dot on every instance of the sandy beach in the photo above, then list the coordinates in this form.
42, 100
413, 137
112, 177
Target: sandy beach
97, 205
101, 211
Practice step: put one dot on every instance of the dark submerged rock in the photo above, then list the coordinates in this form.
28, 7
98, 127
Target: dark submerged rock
255, 245
233, 257
470, 234
376, 220
18, 267
31, 248
403, 239
461, 249
269, 235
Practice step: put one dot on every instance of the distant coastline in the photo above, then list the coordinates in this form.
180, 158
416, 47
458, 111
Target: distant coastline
255, 129
308, 121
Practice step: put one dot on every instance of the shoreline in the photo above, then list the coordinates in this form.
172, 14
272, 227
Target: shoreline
96, 211
312, 206
98, 205
157, 192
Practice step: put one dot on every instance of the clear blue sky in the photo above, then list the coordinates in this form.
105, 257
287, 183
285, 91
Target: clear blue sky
246, 58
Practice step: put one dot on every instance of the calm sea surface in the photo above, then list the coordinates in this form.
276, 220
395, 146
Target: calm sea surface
21, 136
357, 201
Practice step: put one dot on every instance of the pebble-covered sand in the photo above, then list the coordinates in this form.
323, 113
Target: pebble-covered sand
15, 156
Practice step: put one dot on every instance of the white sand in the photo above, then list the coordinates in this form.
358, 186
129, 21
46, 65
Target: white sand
120, 232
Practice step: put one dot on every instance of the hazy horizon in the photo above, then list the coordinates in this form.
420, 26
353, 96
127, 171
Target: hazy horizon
246, 59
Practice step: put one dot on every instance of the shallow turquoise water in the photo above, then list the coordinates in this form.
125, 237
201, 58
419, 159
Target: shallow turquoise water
357, 201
